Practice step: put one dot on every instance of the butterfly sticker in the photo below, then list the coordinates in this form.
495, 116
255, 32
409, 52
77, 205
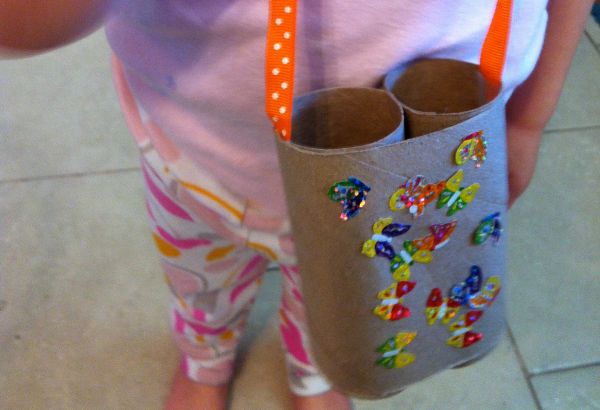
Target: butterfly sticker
440, 308
489, 226
408, 255
391, 307
419, 250
463, 291
394, 354
440, 235
384, 230
455, 197
462, 330
473, 147
414, 195
487, 295
352, 194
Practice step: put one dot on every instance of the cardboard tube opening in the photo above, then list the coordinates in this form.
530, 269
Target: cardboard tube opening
439, 93
443, 86
344, 117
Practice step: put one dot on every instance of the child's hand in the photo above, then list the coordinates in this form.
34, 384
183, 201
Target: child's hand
523, 147
32, 26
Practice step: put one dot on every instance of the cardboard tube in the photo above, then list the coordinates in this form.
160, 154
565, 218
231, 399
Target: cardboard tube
439, 93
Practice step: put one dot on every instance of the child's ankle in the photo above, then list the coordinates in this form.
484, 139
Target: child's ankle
187, 394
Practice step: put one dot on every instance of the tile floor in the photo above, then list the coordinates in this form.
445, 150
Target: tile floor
83, 323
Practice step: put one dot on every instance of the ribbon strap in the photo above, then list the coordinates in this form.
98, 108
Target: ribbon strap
279, 66
280, 62
493, 52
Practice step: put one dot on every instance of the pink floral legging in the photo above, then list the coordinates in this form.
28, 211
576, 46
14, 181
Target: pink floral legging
214, 249
214, 267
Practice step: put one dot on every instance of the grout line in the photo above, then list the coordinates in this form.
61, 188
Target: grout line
586, 128
589, 37
72, 175
523, 367
565, 368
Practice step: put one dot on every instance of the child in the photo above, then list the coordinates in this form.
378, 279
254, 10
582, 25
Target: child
190, 81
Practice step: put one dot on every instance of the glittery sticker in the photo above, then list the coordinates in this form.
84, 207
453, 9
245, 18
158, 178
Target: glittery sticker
487, 295
440, 235
419, 250
391, 307
461, 330
394, 354
463, 291
455, 197
384, 230
440, 308
490, 226
414, 195
473, 147
352, 194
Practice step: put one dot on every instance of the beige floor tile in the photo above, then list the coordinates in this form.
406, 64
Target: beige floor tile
60, 113
577, 389
553, 255
579, 104
85, 324
593, 30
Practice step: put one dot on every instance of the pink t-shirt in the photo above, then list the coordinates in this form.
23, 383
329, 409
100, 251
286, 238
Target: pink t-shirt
197, 67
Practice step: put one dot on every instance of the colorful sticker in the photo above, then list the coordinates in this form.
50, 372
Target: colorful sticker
473, 147
394, 354
455, 197
440, 308
352, 194
489, 226
440, 235
461, 330
463, 291
381, 241
419, 250
414, 195
391, 307
487, 295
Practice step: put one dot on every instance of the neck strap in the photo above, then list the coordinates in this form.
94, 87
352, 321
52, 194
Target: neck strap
280, 61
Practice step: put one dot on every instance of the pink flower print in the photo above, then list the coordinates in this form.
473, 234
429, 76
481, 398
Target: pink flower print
292, 338
182, 243
183, 281
222, 265
166, 202
236, 292
180, 325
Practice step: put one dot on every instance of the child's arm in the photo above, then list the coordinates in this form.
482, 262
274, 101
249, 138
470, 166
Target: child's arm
533, 103
32, 26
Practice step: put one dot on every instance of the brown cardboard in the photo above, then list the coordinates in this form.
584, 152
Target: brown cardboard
339, 284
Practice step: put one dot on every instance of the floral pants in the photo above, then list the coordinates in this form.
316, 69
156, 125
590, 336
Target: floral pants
213, 262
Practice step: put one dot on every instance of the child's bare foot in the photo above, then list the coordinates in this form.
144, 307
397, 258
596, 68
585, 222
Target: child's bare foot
330, 400
186, 394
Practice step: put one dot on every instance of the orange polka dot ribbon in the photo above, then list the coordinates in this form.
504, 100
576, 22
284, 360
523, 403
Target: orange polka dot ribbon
279, 67
493, 52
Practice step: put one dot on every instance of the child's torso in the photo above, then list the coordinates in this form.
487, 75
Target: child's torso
197, 67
